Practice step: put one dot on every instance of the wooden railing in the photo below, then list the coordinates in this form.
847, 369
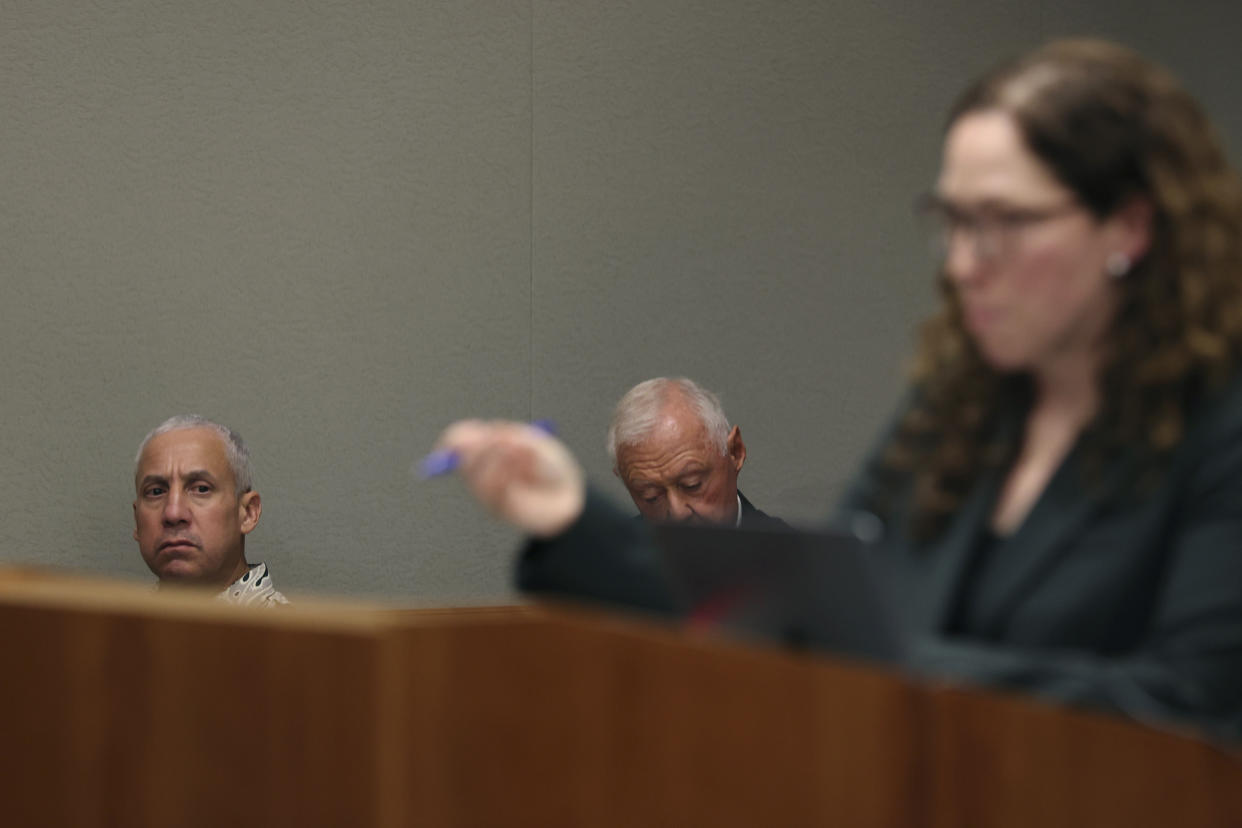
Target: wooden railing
124, 707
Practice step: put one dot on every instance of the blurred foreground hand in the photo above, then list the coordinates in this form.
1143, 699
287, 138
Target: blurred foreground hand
523, 475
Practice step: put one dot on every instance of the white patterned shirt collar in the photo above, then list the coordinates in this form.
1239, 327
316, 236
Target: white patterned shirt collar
253, 588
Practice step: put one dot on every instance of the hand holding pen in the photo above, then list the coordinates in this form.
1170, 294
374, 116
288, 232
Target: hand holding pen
444, 460
519, 471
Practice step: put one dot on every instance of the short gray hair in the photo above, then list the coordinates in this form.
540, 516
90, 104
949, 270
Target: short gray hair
234, 446
639, 410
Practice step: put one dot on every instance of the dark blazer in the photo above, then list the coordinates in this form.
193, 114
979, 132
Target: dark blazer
607, 557
1111, 593
752, 518
1107, 595
604, 555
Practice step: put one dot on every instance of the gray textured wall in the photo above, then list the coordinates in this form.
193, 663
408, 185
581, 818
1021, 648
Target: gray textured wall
339, 225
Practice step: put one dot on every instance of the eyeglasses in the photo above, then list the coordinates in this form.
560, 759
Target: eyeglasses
994, 230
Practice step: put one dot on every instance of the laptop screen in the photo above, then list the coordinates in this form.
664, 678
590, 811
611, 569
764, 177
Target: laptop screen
816, 590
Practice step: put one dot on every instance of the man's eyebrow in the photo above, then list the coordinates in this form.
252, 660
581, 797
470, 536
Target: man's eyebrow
193, 474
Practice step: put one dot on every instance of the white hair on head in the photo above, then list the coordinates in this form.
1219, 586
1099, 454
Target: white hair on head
639, 410
234, 447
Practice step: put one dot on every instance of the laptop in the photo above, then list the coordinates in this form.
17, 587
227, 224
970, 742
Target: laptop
809, 590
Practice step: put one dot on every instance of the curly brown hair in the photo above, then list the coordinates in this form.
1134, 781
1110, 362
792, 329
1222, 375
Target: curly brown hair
1111, 126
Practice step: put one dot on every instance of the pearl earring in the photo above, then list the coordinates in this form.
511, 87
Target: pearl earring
1117, 265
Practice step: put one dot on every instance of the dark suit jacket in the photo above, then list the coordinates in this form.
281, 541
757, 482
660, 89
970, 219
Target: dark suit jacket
606, 557
752, 518
1110, 593
1105, 596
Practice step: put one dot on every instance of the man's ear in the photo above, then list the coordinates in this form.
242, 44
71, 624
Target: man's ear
249, 507
736, 448
135, 520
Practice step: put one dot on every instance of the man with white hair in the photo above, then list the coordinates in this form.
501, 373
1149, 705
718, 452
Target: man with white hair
673, 448
194, 506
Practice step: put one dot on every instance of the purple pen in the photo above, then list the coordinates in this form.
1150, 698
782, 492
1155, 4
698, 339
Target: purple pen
446, 460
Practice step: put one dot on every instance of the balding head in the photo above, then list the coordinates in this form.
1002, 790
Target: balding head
672, 447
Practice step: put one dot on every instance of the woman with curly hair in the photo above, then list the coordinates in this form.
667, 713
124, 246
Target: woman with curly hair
1066, 481
1061, 494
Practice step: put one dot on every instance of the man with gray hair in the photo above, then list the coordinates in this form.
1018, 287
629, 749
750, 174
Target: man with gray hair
194, 506
672, 447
